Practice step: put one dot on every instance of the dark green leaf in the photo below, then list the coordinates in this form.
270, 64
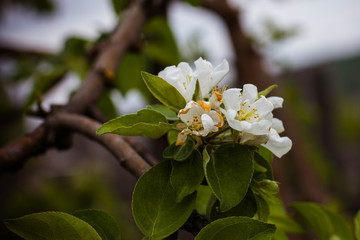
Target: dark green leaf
357, 225
118, 5
229, 172
324, 223
146, 122
160, 42
168, 113
197, 94
51, 226
202, 199
247, 208
44, 82
164, 92
172, 136
265, 164
128, 75
265, 153
236, 228
102, 222
179, 153
107, 106
282, 220
194, 3
154, 206
279, 235
262, 208
186, 176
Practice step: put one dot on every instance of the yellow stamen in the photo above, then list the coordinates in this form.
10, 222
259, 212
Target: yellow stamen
205, 106
221, 123
184, 111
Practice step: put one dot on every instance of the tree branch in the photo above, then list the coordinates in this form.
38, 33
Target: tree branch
13, 155
122, 151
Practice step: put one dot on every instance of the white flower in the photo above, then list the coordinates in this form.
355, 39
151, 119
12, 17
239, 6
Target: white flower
276, 144
252, 117
183, 78
216, 99
208, 76
247, 113
200, 120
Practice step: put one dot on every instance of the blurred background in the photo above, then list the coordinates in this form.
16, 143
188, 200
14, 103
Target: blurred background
311, 49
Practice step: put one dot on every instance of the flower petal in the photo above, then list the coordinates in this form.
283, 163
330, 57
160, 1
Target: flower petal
208, 125
263, 106
232, 99
277, 124
185, 69
251, 139
182, 136
250, 93
276, 101
278, 145
220, 71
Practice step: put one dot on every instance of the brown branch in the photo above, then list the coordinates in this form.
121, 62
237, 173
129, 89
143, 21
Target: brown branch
248, 62
13, 155
122, 151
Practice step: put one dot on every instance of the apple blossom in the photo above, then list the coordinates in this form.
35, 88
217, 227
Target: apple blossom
200, 120
184, 79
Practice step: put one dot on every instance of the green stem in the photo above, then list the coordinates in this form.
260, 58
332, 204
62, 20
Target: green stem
221, 130
176, 129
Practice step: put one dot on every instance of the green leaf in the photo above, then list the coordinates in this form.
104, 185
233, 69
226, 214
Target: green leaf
146, 122
164, 92
107, 106
279, 217
168, 113
229, 171
51, 226
186, 176
265, 153
247, 208
102, 222
160, 45
128, 75
179, 153
260, 160
236, 228
154, 206
262, 208
45, 81
197, 94
194, 3
118, 5
357, 225
172, 136
279, 235
202, 199
267, 90
324, 223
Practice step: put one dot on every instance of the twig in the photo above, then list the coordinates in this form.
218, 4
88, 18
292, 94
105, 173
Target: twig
13, 155
123, 152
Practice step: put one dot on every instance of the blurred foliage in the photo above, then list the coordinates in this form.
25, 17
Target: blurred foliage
85, 186
160, 43
39, 6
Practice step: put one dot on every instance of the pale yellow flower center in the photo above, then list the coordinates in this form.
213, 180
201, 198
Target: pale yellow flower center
246, 113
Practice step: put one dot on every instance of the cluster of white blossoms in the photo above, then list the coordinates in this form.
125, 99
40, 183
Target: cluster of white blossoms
242, 110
